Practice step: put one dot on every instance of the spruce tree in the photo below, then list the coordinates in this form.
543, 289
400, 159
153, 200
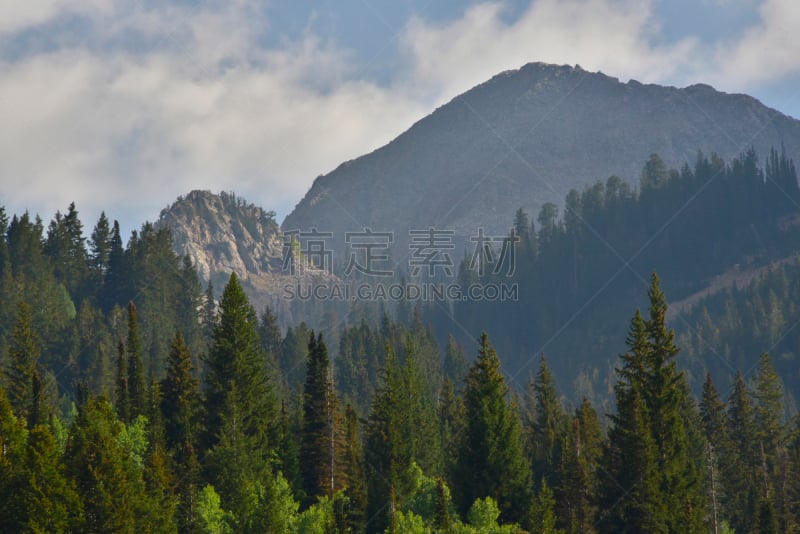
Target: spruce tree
543, 516
180, 397
116, 282
387, 451
105, 472
137, 385
288, 448
740, 477
13, 437
652, 471
240, 413
100, 247
353, 464
491, 461
577, 473
122, 391
670, 413
719, 451
768, 396
236, 358
628, 499
321, 444
451, 426
549, 429
49, 501
23, 354
209, 312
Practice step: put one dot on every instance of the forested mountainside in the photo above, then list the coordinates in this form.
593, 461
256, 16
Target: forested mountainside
525, 138
132, 397
578, 274
227, 443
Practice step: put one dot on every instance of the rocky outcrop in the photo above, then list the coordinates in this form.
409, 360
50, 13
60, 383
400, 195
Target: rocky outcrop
222, 233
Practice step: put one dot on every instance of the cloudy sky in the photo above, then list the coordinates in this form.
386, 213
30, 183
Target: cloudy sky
123, 105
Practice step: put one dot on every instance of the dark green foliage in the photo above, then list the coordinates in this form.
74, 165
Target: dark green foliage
322, 440
740, 477
116, 283
180, 398
767, 522
12, 454
67, 251
583, 274
651, 476
719, 453
451, 427
122, 391
491, 462
577, 473
105, 472
137, 385
240, 413
456, 365
358, 364
543, 516
442, 521
100, 248
665, 466
549, 427
236, 361
21, 362
288, 449
400, 430
293, 357
353, 460
50, 501
387, 452
271, 338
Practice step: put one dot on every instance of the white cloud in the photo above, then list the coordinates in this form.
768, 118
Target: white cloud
207, 110
155, 101
765, 52
614, 36
16, 15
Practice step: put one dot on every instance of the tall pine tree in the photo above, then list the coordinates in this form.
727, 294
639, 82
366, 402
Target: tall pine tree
491, 461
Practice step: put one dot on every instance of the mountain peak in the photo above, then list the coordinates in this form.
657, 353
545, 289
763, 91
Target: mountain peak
526, 137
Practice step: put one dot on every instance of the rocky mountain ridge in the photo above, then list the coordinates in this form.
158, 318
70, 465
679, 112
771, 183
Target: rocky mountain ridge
526, 137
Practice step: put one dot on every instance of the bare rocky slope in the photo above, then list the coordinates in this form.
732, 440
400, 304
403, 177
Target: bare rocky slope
222, 234
526, 137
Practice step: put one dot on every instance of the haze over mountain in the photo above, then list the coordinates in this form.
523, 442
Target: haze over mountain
526, 137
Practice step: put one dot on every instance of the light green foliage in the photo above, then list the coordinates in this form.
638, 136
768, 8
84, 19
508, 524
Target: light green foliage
132, 438
422, 500
213, 518
278, 506
483, 516
317, 519
410, 523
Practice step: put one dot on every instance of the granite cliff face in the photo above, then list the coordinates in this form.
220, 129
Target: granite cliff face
224, 234
527, 137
